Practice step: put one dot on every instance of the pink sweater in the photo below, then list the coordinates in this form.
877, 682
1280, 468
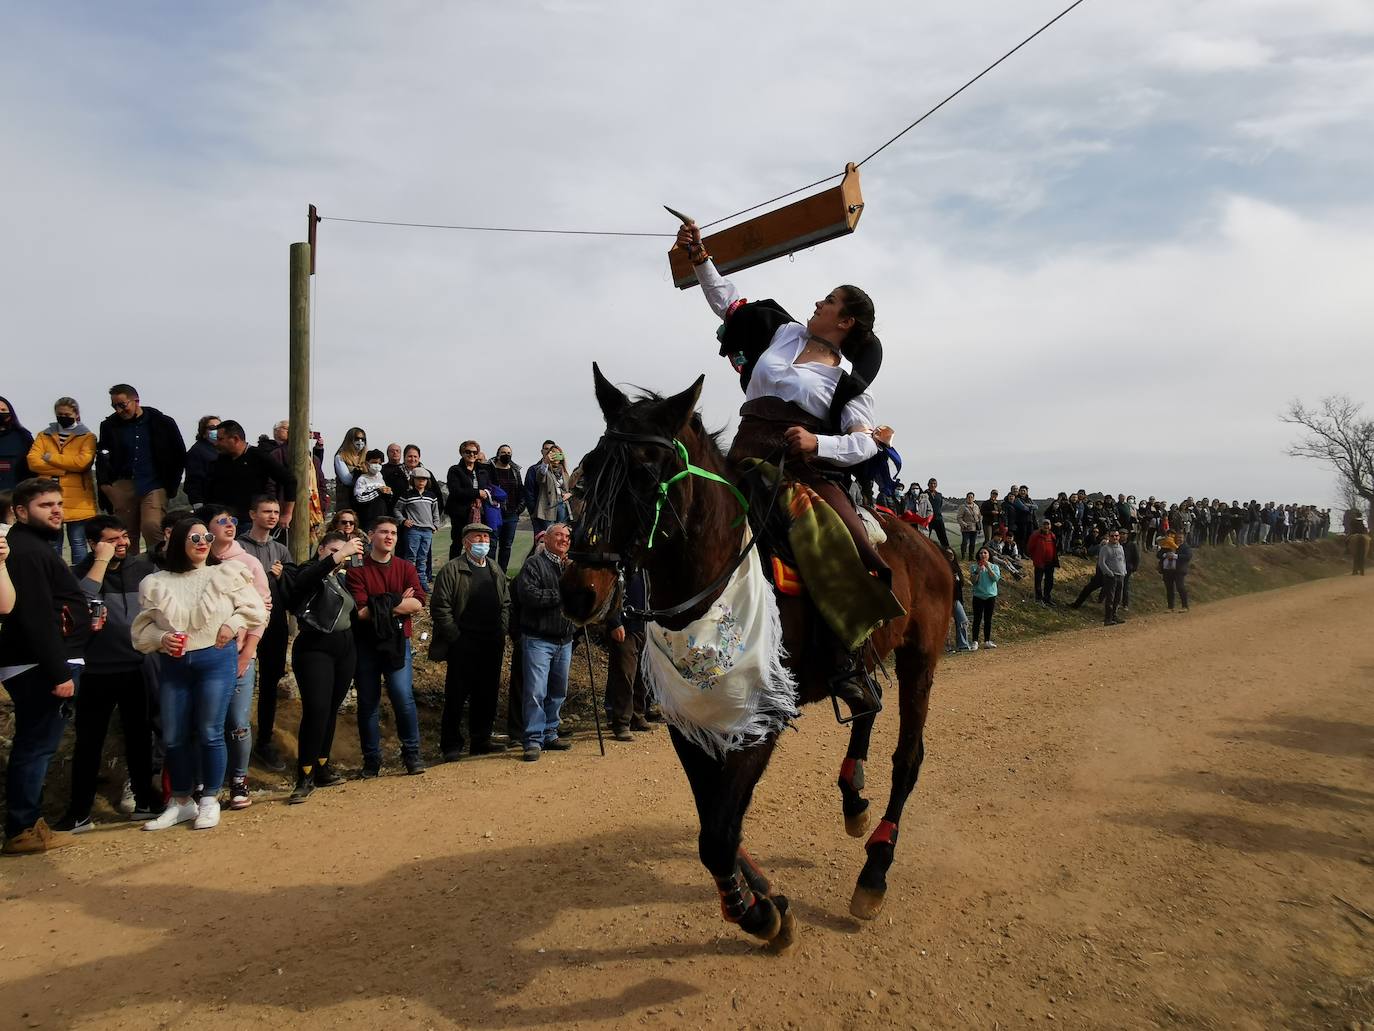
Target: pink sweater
235, 553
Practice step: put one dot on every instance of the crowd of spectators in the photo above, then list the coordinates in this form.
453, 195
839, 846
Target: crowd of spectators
1002, 532
181, 599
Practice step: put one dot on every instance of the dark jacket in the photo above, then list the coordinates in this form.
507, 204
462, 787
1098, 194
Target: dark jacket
301, 584
111, 649
1132, 551
635, 598
50, 623
198, 459
14, 457
511, 480
169, 450
541, 602
394, 476
461, 492
450, 598
235, 482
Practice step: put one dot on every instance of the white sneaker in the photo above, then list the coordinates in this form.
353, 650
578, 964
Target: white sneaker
175, 813
973, 647
989, 644
209, 814
126, 800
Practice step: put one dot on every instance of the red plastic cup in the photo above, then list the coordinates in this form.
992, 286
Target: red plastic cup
178, 645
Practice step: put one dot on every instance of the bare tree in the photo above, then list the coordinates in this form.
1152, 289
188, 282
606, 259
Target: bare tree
1336, 432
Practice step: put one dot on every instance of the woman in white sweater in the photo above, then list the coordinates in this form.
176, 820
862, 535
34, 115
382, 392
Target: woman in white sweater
192, 614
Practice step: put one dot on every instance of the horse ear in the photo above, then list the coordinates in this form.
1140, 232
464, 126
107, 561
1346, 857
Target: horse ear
612, 400
677, 411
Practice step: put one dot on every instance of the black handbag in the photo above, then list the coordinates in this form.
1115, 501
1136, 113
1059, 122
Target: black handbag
329, 608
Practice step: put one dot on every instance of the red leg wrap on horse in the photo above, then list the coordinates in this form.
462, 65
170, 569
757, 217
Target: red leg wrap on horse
884, 834
756, 876
852, 773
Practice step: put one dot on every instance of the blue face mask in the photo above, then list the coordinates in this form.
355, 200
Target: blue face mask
480, 550
212, 435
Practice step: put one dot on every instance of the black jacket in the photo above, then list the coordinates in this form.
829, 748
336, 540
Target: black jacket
111, 650
169, 450
541, 602
635, 598
199, 458
50, 623
235, 482
461, 492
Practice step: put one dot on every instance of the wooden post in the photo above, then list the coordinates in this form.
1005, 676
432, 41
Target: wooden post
298, 411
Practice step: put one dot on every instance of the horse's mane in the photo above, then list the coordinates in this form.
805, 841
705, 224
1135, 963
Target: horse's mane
713, 440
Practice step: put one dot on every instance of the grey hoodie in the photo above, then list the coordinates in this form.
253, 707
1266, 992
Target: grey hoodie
1111, 560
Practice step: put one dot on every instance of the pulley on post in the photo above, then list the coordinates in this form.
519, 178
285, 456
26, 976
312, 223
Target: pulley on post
823, 216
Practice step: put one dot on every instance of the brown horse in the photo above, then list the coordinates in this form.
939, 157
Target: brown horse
696, 544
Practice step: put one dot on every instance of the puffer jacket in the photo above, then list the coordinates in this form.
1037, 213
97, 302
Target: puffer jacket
70, 464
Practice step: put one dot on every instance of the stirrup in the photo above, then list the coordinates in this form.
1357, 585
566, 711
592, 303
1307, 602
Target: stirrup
857, 688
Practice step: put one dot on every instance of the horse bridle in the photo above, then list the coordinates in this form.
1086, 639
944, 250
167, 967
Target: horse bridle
601, 518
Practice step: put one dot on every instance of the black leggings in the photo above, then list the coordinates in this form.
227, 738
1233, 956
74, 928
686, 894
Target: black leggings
982, 613
324, 666
271, 668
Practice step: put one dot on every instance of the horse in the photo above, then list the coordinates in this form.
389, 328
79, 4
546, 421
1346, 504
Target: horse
625, 497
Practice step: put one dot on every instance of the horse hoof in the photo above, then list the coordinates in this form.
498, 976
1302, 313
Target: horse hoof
856, 826
763, 920
786, 936
866, 903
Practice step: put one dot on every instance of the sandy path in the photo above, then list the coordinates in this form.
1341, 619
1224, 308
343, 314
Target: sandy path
1138, 828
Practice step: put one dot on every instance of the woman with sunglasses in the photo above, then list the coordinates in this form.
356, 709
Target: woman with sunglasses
345, 521
350, 460
190, 614
238, 729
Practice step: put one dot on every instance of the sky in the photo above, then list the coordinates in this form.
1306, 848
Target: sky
1110, 264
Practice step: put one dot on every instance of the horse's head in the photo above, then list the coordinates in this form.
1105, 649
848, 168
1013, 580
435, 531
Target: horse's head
619, 492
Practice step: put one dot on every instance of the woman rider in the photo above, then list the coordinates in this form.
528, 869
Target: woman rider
797, 396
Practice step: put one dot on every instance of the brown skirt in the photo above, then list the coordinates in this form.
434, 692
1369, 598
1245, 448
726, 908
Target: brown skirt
763, 421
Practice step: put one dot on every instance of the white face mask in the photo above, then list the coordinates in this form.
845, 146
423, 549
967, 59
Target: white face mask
358, 445
374, 467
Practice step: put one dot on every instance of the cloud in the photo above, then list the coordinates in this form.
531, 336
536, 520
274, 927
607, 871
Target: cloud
1114, 258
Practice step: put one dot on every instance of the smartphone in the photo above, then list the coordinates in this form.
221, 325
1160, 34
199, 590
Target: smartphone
4, 529
355, 561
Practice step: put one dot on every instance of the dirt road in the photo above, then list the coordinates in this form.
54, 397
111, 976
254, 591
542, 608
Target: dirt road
1136, 828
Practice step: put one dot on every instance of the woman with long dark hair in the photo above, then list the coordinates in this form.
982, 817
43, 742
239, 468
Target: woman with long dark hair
983, 575
190, 615
799, 399
15, 442
323, 656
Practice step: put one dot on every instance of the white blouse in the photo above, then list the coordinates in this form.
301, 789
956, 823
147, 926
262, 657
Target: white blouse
810, 385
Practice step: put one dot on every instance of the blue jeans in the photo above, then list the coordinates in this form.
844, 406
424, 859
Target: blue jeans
76, 536
418, 544
38, 724
195, 691
546, 686
505, 538
960, 627
369, 678
238, 723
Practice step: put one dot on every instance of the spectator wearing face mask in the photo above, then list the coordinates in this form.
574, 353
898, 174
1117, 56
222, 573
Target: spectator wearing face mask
199, 456
15, 442
471, 610
371, 495
506, 475
350, 461
65, 451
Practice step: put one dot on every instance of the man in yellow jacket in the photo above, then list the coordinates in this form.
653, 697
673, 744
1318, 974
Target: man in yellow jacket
65, 451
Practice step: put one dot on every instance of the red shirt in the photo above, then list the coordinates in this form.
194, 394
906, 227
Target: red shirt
393, 577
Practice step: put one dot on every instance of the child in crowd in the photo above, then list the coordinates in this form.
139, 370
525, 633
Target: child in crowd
419, 516
371, 495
